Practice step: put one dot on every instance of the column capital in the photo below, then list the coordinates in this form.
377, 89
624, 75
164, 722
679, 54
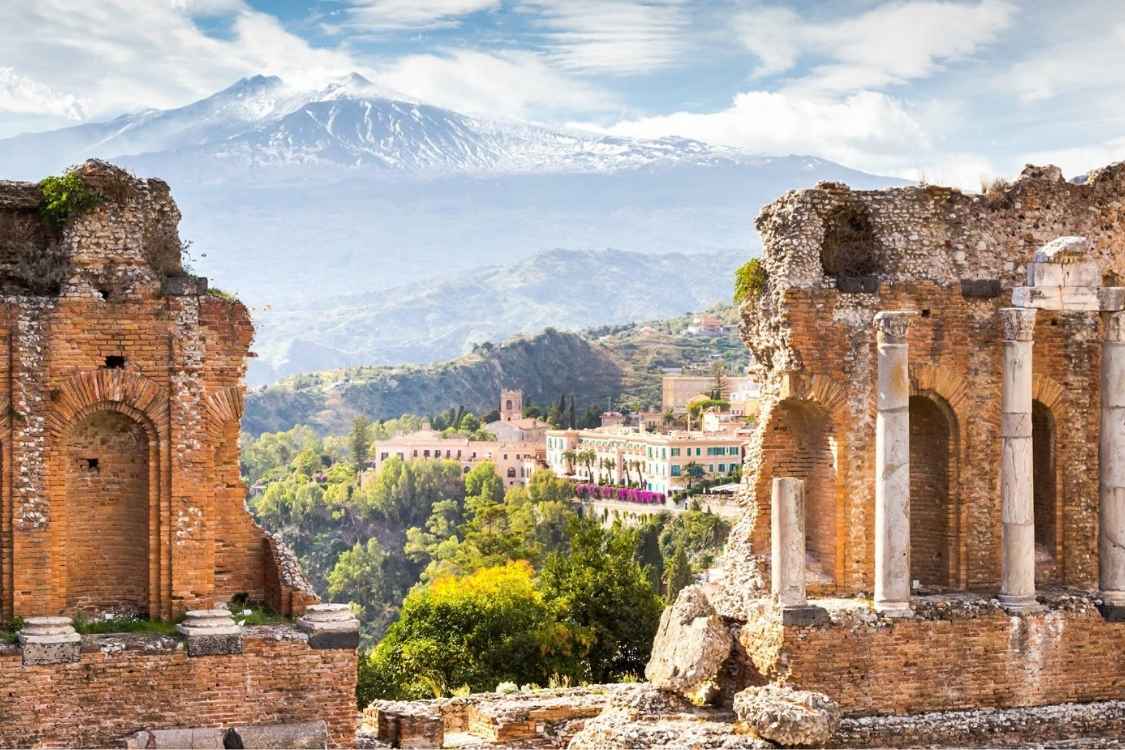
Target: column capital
1017, 323
891, 325
1115, 327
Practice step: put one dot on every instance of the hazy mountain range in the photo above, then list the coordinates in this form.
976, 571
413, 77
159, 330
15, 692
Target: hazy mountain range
443, 318
345, 196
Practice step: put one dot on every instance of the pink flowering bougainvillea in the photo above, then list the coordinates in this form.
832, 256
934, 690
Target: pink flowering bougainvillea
623, 494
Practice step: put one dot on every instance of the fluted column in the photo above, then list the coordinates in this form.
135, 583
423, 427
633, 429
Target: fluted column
787, 541
1112, 461
1017, 583
892, 466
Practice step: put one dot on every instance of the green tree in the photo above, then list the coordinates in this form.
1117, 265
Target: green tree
544, 485
482, 481
358, 576
603, 595
469, 423
360, 441
477, 630
678, 574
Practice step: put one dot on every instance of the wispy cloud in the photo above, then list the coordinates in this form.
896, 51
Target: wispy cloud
400, 15
611, 36
517, 84
21, 95
888, 45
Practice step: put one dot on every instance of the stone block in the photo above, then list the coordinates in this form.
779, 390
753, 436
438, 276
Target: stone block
305, 734
49, 640
858, 284
1111, 298
211, 632
407, 724
1112, 612
787, 716
692, 644
330, 626
176, 738
980, 288
184, 286
809, 616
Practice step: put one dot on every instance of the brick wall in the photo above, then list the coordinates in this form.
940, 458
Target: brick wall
127, 345
127, 683
971, 655
815, 344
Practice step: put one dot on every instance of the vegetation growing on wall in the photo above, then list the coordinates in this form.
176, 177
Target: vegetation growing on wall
749, 280
65, 196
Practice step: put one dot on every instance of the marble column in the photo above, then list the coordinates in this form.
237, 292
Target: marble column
1017, 583
892, 466
787, 541
1112, 462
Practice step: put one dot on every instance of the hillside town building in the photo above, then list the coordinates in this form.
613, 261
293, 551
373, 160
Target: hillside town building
658, 462
515, 461
122, 384
678, 391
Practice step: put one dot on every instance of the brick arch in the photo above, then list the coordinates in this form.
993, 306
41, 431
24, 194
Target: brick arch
948, 391
143, 402
1049, 414
120, 390
803, 434
224, 406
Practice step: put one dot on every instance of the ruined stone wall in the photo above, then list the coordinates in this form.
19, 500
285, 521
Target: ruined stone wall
126, 343
954, 258
954, 655
124, 684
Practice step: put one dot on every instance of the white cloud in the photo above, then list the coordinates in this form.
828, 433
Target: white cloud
394, 15
22, 95
887, 45
1092, 57
1080, 159
129, 54
511, 84
865, 127
611, 36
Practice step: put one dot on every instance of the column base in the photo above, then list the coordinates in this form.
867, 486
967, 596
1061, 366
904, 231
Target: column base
1020, 605
1112, 606
804, 616
894, 610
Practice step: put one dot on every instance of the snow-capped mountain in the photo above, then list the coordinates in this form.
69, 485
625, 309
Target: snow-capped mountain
346, 126
291, 196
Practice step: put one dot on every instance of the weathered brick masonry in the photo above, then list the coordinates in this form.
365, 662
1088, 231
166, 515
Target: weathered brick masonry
119, 442
953, 655
129, 682
834, 258
121, 379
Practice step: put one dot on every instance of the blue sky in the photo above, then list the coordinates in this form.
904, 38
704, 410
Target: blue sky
948, 90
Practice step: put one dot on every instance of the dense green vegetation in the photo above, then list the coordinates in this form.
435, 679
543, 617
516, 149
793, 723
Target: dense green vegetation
749, 280
612, 366
461, 582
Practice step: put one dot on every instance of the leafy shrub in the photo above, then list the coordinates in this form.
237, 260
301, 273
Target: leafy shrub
65, 196
749, 280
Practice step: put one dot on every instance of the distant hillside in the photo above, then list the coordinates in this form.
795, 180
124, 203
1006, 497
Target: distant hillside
599, 366
445, 317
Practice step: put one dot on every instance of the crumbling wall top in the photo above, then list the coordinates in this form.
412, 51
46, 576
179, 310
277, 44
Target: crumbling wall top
812, 238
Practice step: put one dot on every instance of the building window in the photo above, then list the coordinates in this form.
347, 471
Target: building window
722, 468
675, 470
511, 473
426, 453
675, 451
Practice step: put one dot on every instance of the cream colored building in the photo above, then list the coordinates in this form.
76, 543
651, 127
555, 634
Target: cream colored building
515, 461
658, 461
677, 391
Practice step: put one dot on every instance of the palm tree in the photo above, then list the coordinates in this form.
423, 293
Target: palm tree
694, 471
570, 457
